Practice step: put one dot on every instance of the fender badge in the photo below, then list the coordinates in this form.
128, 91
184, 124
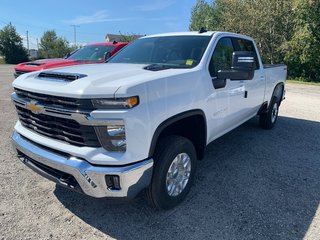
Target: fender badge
86, 176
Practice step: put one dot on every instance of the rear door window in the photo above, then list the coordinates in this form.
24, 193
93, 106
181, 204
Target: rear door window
241, 44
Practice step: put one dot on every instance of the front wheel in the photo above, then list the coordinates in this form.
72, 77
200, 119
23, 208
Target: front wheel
173, 174
269, 119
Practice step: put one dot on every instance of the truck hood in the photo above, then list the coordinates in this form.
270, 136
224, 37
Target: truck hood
97, 80
46, 64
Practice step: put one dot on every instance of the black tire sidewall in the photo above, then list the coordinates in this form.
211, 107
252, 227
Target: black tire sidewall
266, 119
269, 115
171, 147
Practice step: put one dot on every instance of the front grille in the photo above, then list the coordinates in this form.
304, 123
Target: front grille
66, 130
55, 101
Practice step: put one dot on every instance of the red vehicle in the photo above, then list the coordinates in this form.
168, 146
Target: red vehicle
92, 53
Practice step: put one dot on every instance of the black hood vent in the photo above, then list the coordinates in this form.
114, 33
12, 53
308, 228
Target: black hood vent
34, 64
69, 77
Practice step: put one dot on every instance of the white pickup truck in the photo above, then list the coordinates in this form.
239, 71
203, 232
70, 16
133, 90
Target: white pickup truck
142, 120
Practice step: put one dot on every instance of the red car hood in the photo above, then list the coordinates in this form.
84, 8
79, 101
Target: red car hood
47, 63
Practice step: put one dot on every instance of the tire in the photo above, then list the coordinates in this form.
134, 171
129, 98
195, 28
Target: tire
161, 194
269, 119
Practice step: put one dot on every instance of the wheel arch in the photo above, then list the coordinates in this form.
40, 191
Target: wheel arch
176, 125
278, 93
265, 105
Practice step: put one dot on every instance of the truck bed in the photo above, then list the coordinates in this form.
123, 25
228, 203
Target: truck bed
273, 65
274, 73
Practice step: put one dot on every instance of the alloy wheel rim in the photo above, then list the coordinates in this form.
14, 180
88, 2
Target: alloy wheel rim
178, 174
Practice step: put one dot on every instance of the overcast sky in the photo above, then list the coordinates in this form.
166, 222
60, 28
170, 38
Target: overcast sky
95, 18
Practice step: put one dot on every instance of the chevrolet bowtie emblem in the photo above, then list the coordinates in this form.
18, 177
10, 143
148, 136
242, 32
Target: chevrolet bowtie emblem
32, 106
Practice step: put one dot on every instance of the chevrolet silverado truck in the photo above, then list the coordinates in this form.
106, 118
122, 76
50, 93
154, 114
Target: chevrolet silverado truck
91, 53
140, 122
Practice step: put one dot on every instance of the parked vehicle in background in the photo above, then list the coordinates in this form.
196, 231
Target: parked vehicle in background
92, 53
142, 120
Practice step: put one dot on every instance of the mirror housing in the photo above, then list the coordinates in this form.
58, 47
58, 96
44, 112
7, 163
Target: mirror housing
242, 67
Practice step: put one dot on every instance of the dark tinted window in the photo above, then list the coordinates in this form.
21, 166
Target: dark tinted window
174, 51
222, 56
91, 53
246, 45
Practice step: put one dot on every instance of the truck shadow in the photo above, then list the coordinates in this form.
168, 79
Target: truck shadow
252, 184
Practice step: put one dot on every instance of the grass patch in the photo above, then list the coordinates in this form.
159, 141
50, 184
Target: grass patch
2, 61
303, 82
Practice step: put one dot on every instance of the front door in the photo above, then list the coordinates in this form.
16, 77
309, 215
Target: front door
227, 97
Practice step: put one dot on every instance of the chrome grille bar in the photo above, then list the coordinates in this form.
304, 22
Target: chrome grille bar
58, 128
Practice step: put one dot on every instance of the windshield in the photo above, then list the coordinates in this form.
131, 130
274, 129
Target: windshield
172, 51
91, 53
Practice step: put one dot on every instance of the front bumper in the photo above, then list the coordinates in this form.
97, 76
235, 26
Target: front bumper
77, 174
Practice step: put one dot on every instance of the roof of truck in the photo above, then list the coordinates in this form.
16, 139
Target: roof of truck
197, 33
193, 33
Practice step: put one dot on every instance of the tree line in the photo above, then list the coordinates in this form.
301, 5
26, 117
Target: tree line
13, 51
50, 46
286, 31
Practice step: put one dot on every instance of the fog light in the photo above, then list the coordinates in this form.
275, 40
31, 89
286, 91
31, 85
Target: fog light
113, 182
119, 143
116, 131
112, 137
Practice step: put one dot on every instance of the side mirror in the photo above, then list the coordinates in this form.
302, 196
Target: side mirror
107, 55
242, 67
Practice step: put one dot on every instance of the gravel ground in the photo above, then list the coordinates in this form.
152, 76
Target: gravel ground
252, 184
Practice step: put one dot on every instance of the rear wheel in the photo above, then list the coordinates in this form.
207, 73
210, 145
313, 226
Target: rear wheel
173, 174
269, 119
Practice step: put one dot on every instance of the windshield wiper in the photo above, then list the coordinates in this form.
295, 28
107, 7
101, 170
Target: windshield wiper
158, 67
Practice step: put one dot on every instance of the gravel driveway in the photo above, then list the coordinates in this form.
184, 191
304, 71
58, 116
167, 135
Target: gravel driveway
252, 184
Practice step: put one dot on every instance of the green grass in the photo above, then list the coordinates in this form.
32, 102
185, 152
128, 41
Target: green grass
303, 82
2, 61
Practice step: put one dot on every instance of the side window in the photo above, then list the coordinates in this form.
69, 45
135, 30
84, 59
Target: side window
222, 57
246, 45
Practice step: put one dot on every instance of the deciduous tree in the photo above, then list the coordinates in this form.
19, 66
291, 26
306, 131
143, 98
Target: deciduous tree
52, 46
11, 46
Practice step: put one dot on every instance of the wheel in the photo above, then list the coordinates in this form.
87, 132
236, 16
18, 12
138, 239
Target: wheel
173, 173
269, 119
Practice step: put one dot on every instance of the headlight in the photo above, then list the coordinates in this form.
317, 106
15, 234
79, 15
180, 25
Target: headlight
112, 137
115, 103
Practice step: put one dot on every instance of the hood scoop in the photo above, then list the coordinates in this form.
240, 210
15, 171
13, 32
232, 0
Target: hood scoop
34, 64
67, 77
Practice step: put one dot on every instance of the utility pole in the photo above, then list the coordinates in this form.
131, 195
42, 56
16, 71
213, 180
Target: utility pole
28, 42
37, 44
75, 34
